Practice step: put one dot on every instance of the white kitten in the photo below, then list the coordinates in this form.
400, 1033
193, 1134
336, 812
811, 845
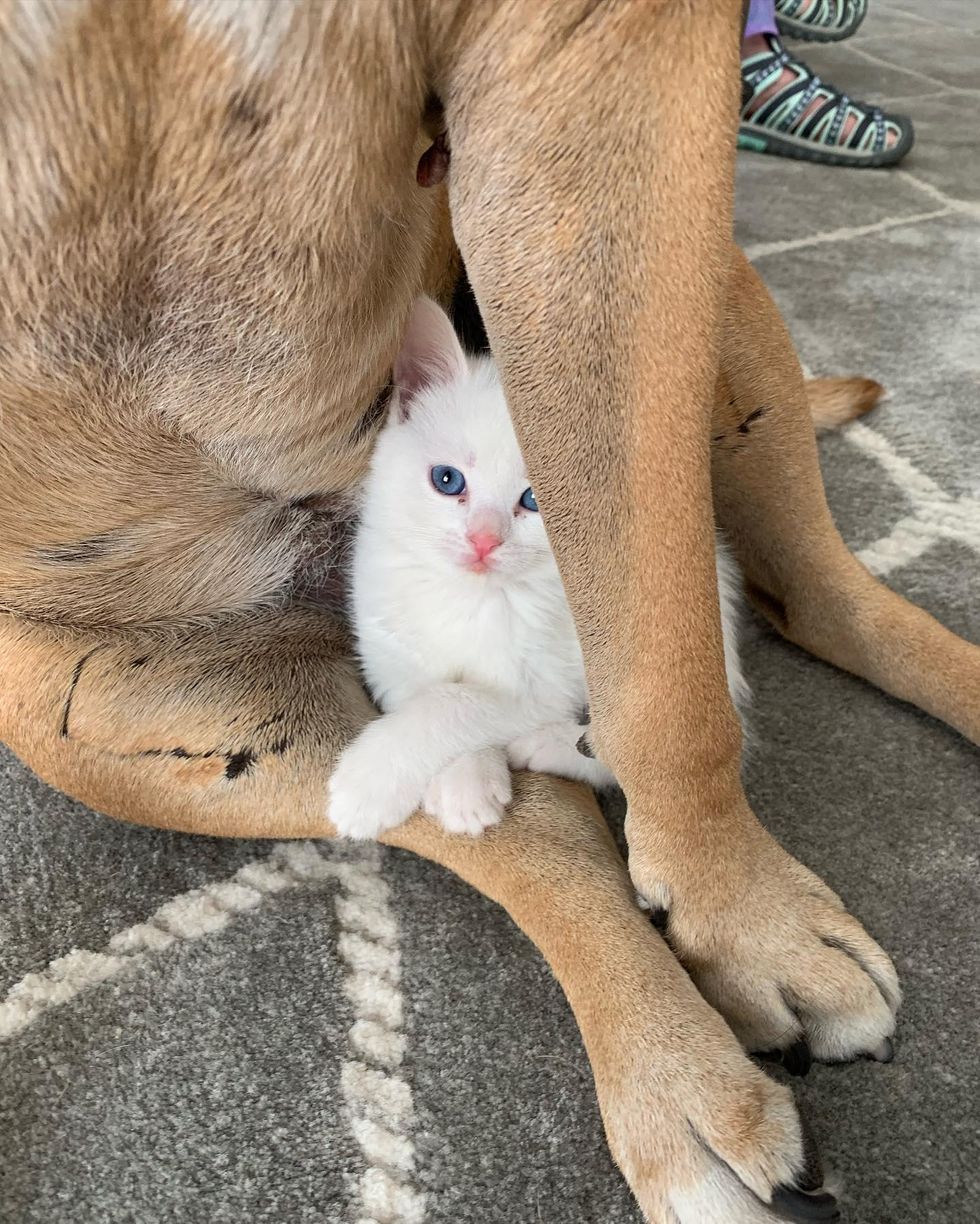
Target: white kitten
465, 636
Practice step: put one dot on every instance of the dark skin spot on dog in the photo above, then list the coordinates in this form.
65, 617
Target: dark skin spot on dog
81, 552
280, 746
751, 419
141, 661
75, 677
245, 114
240, 763
178, 753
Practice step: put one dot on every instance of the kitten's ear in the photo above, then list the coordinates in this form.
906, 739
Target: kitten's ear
431, 355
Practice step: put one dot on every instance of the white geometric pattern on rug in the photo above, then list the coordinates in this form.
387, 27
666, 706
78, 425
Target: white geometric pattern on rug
379, 1101
936, 515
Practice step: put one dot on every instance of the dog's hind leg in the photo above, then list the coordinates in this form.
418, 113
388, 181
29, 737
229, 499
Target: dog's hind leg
799, 573
232, 729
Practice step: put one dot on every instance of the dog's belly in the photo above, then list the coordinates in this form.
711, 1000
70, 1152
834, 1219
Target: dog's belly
224, 209
210, 244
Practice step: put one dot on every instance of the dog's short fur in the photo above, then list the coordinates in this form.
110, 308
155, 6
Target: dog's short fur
211, 233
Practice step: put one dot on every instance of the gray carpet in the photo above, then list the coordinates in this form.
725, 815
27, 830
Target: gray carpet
355, 1036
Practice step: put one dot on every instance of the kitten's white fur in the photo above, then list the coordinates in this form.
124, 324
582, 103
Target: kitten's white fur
473, 670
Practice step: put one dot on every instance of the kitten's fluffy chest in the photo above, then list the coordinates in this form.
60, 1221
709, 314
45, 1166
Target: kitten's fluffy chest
516, 637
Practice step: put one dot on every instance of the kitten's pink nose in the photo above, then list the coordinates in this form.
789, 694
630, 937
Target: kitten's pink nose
483, 542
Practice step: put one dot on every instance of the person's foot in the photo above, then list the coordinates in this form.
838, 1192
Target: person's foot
820, 20
789, 111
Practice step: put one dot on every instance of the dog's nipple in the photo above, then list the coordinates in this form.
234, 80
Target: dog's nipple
433, 164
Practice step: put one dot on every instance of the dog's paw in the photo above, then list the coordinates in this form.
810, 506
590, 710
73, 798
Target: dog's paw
719, 1198
705, 1137
367, 792
773, 949
470, 794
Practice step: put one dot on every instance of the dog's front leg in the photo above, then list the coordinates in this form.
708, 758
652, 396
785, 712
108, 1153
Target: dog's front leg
591, 190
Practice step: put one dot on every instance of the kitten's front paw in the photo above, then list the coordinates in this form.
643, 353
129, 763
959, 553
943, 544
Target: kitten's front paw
470, 794
367, 793
554, 749
547, 749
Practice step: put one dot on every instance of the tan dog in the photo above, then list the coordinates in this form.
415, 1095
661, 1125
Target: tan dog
211, 235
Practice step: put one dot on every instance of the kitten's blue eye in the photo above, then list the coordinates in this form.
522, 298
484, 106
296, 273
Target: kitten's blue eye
529, 501
448, 480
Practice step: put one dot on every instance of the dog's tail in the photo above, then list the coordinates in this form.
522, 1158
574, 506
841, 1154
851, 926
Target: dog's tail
835, 401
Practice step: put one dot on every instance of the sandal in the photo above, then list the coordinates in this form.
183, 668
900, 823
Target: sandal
823, 21
806, 118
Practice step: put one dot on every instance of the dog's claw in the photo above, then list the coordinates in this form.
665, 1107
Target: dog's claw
885, 1052
798, 1205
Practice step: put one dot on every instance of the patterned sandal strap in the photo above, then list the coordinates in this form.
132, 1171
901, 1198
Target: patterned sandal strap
784, 109
830, 15
788, 105
768, 67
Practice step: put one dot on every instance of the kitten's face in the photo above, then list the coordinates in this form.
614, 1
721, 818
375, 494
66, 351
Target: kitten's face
452, 482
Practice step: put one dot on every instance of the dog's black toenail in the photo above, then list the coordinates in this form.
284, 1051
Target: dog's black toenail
798, 1060
885, 1052
798, 1205
659, 918
583, 745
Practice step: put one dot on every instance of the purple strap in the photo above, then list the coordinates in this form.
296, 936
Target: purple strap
761, 18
